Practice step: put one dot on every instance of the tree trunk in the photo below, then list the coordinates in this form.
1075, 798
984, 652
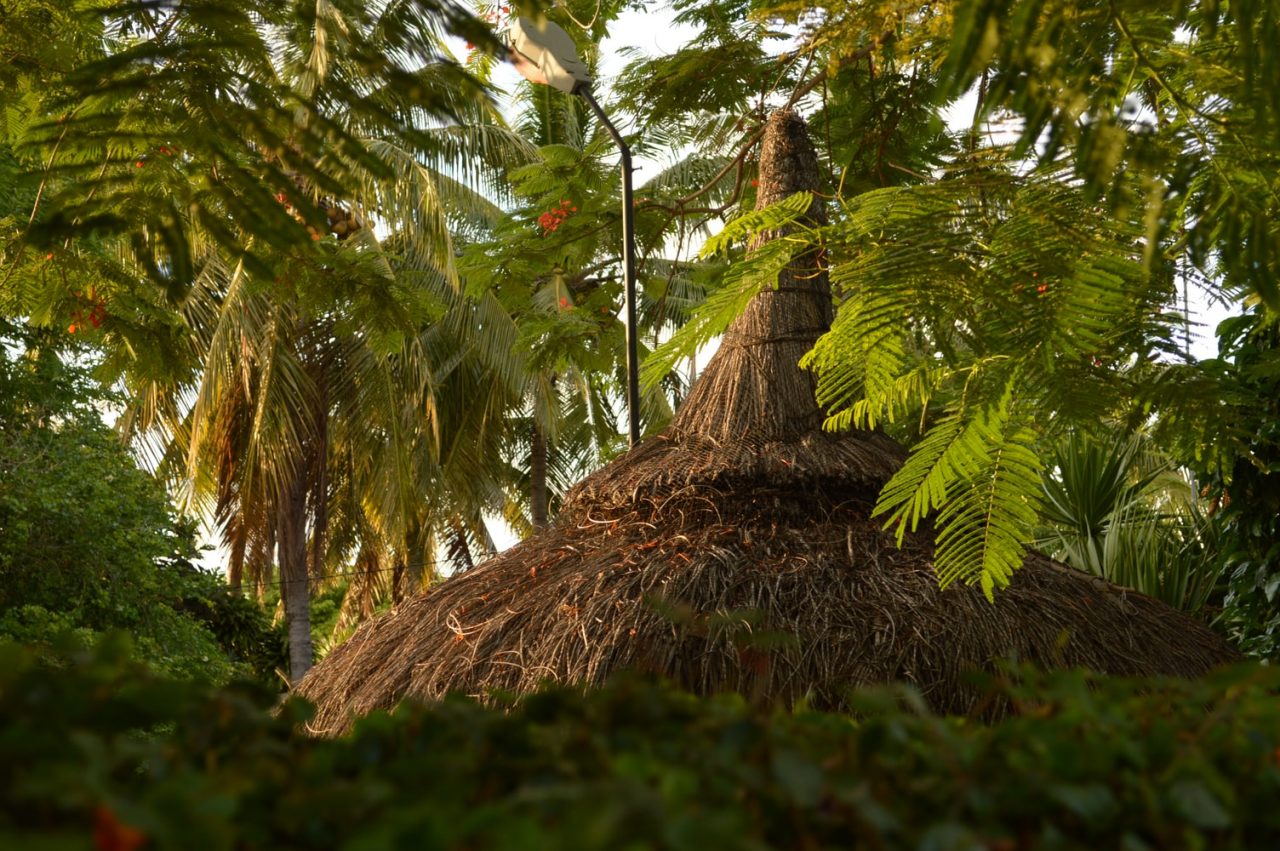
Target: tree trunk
459, 547
320, 452
398, 578
538, 478
235, 564
295, 587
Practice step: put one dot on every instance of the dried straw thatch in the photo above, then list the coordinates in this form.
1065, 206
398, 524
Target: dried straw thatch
734, 551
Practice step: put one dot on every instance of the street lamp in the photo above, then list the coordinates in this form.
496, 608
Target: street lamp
545, 54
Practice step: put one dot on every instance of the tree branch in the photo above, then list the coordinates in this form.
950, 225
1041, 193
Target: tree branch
680, 207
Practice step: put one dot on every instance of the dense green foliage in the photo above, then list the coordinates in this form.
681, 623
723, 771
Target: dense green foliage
209, 175
1117, 508
105, 751
244, 631
1239, 452
1171, 105
90, 543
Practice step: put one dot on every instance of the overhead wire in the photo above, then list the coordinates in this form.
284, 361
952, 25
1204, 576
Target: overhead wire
421, 564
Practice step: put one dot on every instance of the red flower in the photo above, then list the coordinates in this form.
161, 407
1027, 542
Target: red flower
111, 834
1042, 289
552, 219
564, 302
139, 164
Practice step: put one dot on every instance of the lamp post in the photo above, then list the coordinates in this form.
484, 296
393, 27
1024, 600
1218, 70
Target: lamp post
545, 54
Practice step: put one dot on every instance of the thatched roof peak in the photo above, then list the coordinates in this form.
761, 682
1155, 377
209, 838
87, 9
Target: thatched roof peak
753, 389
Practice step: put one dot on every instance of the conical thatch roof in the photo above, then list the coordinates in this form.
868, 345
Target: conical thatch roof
734, 551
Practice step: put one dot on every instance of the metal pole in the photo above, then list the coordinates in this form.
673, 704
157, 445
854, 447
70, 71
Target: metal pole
628, 267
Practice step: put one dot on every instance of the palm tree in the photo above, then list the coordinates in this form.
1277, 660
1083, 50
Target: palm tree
313, 374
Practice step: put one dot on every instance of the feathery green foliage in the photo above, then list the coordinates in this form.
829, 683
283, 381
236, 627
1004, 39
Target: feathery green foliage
201, 113
741, 281
980, 468
997, 295
1146, 153
1174, 103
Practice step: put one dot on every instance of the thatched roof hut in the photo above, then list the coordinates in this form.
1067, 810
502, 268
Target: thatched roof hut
735, 551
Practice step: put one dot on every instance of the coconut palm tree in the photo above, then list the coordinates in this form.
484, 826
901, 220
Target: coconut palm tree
310, 360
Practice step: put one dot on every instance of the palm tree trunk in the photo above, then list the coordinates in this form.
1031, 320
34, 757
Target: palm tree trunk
294, 581
320, 493
235, 565
398, 579
538, 478
459, 547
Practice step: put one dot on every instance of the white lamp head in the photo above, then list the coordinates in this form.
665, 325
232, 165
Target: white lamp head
545, 53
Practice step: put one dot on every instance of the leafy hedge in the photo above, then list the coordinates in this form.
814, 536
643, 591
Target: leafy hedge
106, 755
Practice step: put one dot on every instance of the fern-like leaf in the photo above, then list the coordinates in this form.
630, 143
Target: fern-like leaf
741, 283
977, 465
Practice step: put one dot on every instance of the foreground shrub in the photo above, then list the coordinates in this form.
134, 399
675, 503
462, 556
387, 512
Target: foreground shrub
106, 755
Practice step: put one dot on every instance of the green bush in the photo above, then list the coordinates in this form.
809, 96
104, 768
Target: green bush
107, 755
243, 630
89, 541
